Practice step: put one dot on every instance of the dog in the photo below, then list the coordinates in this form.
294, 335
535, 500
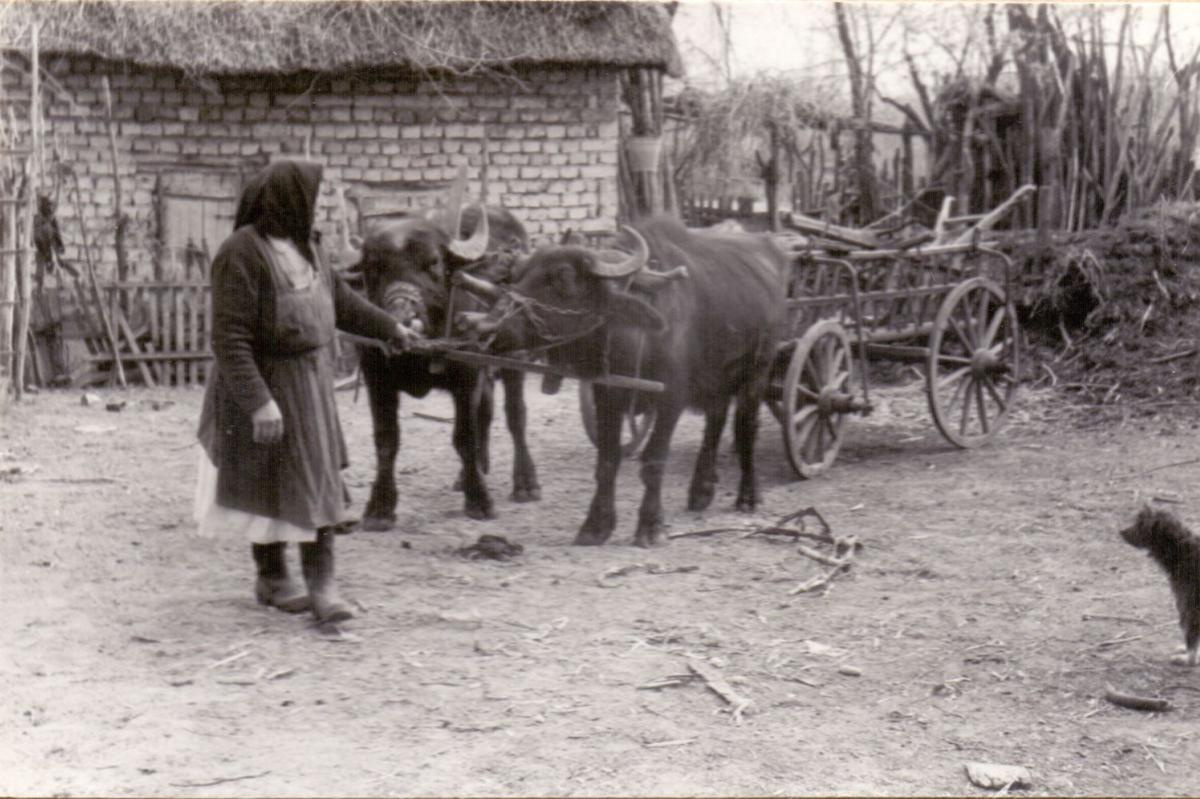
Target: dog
1177, 550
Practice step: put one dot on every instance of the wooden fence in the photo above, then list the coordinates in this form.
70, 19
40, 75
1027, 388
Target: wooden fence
163, 331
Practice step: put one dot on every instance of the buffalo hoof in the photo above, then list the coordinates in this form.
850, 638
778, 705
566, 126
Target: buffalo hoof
592, 538
650, 538
526, 494
748, 499
377, 524
700, 498
479, 513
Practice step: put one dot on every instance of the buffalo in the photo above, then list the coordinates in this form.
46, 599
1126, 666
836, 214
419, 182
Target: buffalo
709, 338
406, 265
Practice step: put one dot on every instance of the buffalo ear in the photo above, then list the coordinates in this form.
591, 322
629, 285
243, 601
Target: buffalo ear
627, 309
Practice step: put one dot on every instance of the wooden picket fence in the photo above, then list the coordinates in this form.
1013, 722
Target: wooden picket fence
163, 331
170, 327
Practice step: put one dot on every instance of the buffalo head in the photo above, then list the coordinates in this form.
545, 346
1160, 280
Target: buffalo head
559, 297
405, 265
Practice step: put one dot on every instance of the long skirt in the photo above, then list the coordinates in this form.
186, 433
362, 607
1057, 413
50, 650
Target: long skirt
215, 521
296, 481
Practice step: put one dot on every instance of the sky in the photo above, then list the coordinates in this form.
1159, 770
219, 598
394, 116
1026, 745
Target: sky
798, 36
781, 36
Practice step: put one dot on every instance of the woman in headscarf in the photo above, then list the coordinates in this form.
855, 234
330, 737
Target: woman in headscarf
269, 425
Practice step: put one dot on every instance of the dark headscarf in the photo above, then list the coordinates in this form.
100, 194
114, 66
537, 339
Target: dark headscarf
281, 201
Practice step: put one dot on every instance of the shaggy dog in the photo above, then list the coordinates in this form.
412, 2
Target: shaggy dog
1177, 551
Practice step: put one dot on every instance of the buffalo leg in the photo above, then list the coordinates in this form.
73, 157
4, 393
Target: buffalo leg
704, 480
481, 401
476, 502
745, 434
384, 400
654, 464
602, 515
525, 481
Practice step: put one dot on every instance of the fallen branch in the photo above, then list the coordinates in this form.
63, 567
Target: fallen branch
1118, 640
1174, 357
677, 742
218, 781
820, 581
649, 568
1134, 702
1188, 462
844, 548
666, 682
433, 417
717, 684
229, 659
707, 533
1104, 617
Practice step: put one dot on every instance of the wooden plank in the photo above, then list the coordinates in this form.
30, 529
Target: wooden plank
177, 304
155, 342
157, 284
123, 326
153, 357
208, 330
193, 306
817, 227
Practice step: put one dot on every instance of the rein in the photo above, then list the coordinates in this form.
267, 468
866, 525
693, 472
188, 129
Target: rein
535, 313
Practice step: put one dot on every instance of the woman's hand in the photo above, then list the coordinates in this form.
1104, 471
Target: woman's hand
404, 336
268, 424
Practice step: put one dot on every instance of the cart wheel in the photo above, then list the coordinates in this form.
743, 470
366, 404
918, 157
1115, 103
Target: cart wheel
639, 424
816, 398
974, 359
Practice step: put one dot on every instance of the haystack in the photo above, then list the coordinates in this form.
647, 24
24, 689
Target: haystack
1116, 311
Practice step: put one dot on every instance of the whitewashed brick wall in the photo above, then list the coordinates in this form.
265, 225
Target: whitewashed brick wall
551, 140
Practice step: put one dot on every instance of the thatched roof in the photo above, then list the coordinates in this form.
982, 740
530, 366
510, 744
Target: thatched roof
213, 37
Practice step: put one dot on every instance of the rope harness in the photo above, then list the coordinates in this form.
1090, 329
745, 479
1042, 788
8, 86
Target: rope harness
404, 302
538, 315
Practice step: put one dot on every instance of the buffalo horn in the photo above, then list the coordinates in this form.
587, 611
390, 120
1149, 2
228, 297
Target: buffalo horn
471, 249
603, 267
476, 321
477, 286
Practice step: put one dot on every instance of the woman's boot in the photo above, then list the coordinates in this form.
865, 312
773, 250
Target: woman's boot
316, 560
275, 586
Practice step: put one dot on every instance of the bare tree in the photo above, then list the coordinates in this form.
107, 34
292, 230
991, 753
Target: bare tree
860, 50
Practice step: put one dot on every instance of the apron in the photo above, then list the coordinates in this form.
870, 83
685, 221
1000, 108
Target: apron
298, 479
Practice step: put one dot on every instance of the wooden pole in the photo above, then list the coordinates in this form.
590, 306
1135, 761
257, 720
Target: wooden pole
24, 256
8, 290
24, 260
119, 215
97, 298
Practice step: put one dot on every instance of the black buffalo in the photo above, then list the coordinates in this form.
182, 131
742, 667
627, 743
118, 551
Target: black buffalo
708, 338
406, 266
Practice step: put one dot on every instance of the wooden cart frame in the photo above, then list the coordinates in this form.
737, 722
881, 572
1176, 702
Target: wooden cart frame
946, 307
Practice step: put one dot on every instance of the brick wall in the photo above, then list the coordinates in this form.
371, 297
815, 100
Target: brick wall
551, 141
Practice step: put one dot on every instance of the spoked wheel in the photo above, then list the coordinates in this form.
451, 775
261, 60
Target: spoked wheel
974, 359
816, 398
635, 428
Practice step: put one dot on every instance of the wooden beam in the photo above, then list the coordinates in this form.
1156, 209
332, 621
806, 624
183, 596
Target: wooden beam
143, 369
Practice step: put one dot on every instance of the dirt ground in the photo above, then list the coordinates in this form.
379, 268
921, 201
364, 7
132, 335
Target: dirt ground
990, 607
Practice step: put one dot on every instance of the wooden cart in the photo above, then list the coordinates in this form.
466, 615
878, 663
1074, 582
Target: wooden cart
946, 307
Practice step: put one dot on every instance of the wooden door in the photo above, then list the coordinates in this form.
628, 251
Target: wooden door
197, 215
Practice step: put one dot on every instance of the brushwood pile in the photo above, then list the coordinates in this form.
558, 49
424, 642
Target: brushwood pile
1112, 315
